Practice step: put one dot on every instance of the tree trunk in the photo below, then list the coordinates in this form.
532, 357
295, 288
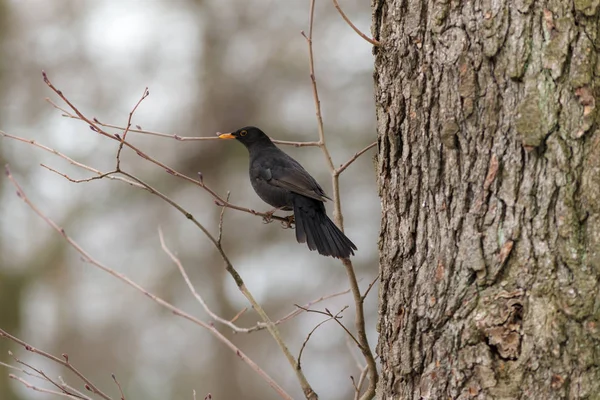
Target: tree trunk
489, 175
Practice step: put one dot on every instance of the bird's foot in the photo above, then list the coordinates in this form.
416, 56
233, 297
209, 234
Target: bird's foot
268, 217
289, 222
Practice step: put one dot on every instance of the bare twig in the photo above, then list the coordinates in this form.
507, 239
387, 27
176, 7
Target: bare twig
93, 178
144, 95
362, 341
21, 370
337, 319
362, 35
361, 380
361, 331
191, 287
172, 136
94, 126
119, 386
272, 328
352, 348
152, 190
306, 306
242, 311
88, 258
65, 363
67, 158
313, 331
364, 296
220, 236
65, 388
350, 161
337, 208
41, 390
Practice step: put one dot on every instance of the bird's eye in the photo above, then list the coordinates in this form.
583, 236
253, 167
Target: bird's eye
243, 133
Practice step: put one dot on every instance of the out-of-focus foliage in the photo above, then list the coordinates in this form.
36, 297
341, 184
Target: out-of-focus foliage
212, 65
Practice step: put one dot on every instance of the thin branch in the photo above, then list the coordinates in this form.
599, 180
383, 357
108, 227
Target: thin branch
75, 393
362, 35
303, 308
188, 215
41, 390
220, 236
66, 386
21, 370
65, 363
236, 316
65, 157
361, 381
92, 178
362, 341
88, 258
119, 386
329, 314
308, 391
313, 331
361, 331
350, 161
364, 296
190, 286
67, 114
272, 328
151, 190
94, 126
337, 214
144, 95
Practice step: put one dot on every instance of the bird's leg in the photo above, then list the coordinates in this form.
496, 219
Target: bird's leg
268, 218
291, 220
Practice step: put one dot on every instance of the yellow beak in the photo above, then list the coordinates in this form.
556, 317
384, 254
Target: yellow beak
226, 136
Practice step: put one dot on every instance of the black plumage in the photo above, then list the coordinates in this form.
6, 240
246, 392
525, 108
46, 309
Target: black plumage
282, 182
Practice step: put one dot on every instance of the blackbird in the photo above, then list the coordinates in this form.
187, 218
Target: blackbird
282, 182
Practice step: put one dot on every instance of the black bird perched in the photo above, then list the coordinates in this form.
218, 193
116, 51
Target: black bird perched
282, 182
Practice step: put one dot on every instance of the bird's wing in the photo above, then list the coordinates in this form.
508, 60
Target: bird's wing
295, 178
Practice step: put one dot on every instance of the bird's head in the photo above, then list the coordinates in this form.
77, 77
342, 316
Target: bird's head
248, 135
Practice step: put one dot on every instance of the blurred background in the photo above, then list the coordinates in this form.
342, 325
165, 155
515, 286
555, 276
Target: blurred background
210, 65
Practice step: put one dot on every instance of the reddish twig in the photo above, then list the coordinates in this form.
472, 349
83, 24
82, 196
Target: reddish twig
67, 158
88, 258
343, 167
314, 329
272, 328
94, 126
65, 363
329, 314
119, 386
221, 216
191, 287
144, 95
361, 380
362, 341
41, 390
364, 296
67, 114
65, 388
362, 35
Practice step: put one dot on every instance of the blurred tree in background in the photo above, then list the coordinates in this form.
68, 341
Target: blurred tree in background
210, 66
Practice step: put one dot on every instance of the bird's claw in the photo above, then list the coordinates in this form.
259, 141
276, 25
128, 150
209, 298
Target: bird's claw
289, 222
268, 217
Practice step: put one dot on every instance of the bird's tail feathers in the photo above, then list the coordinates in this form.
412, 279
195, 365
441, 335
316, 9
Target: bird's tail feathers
314, 228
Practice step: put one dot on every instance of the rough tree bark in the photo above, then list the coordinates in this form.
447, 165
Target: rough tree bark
489, 175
